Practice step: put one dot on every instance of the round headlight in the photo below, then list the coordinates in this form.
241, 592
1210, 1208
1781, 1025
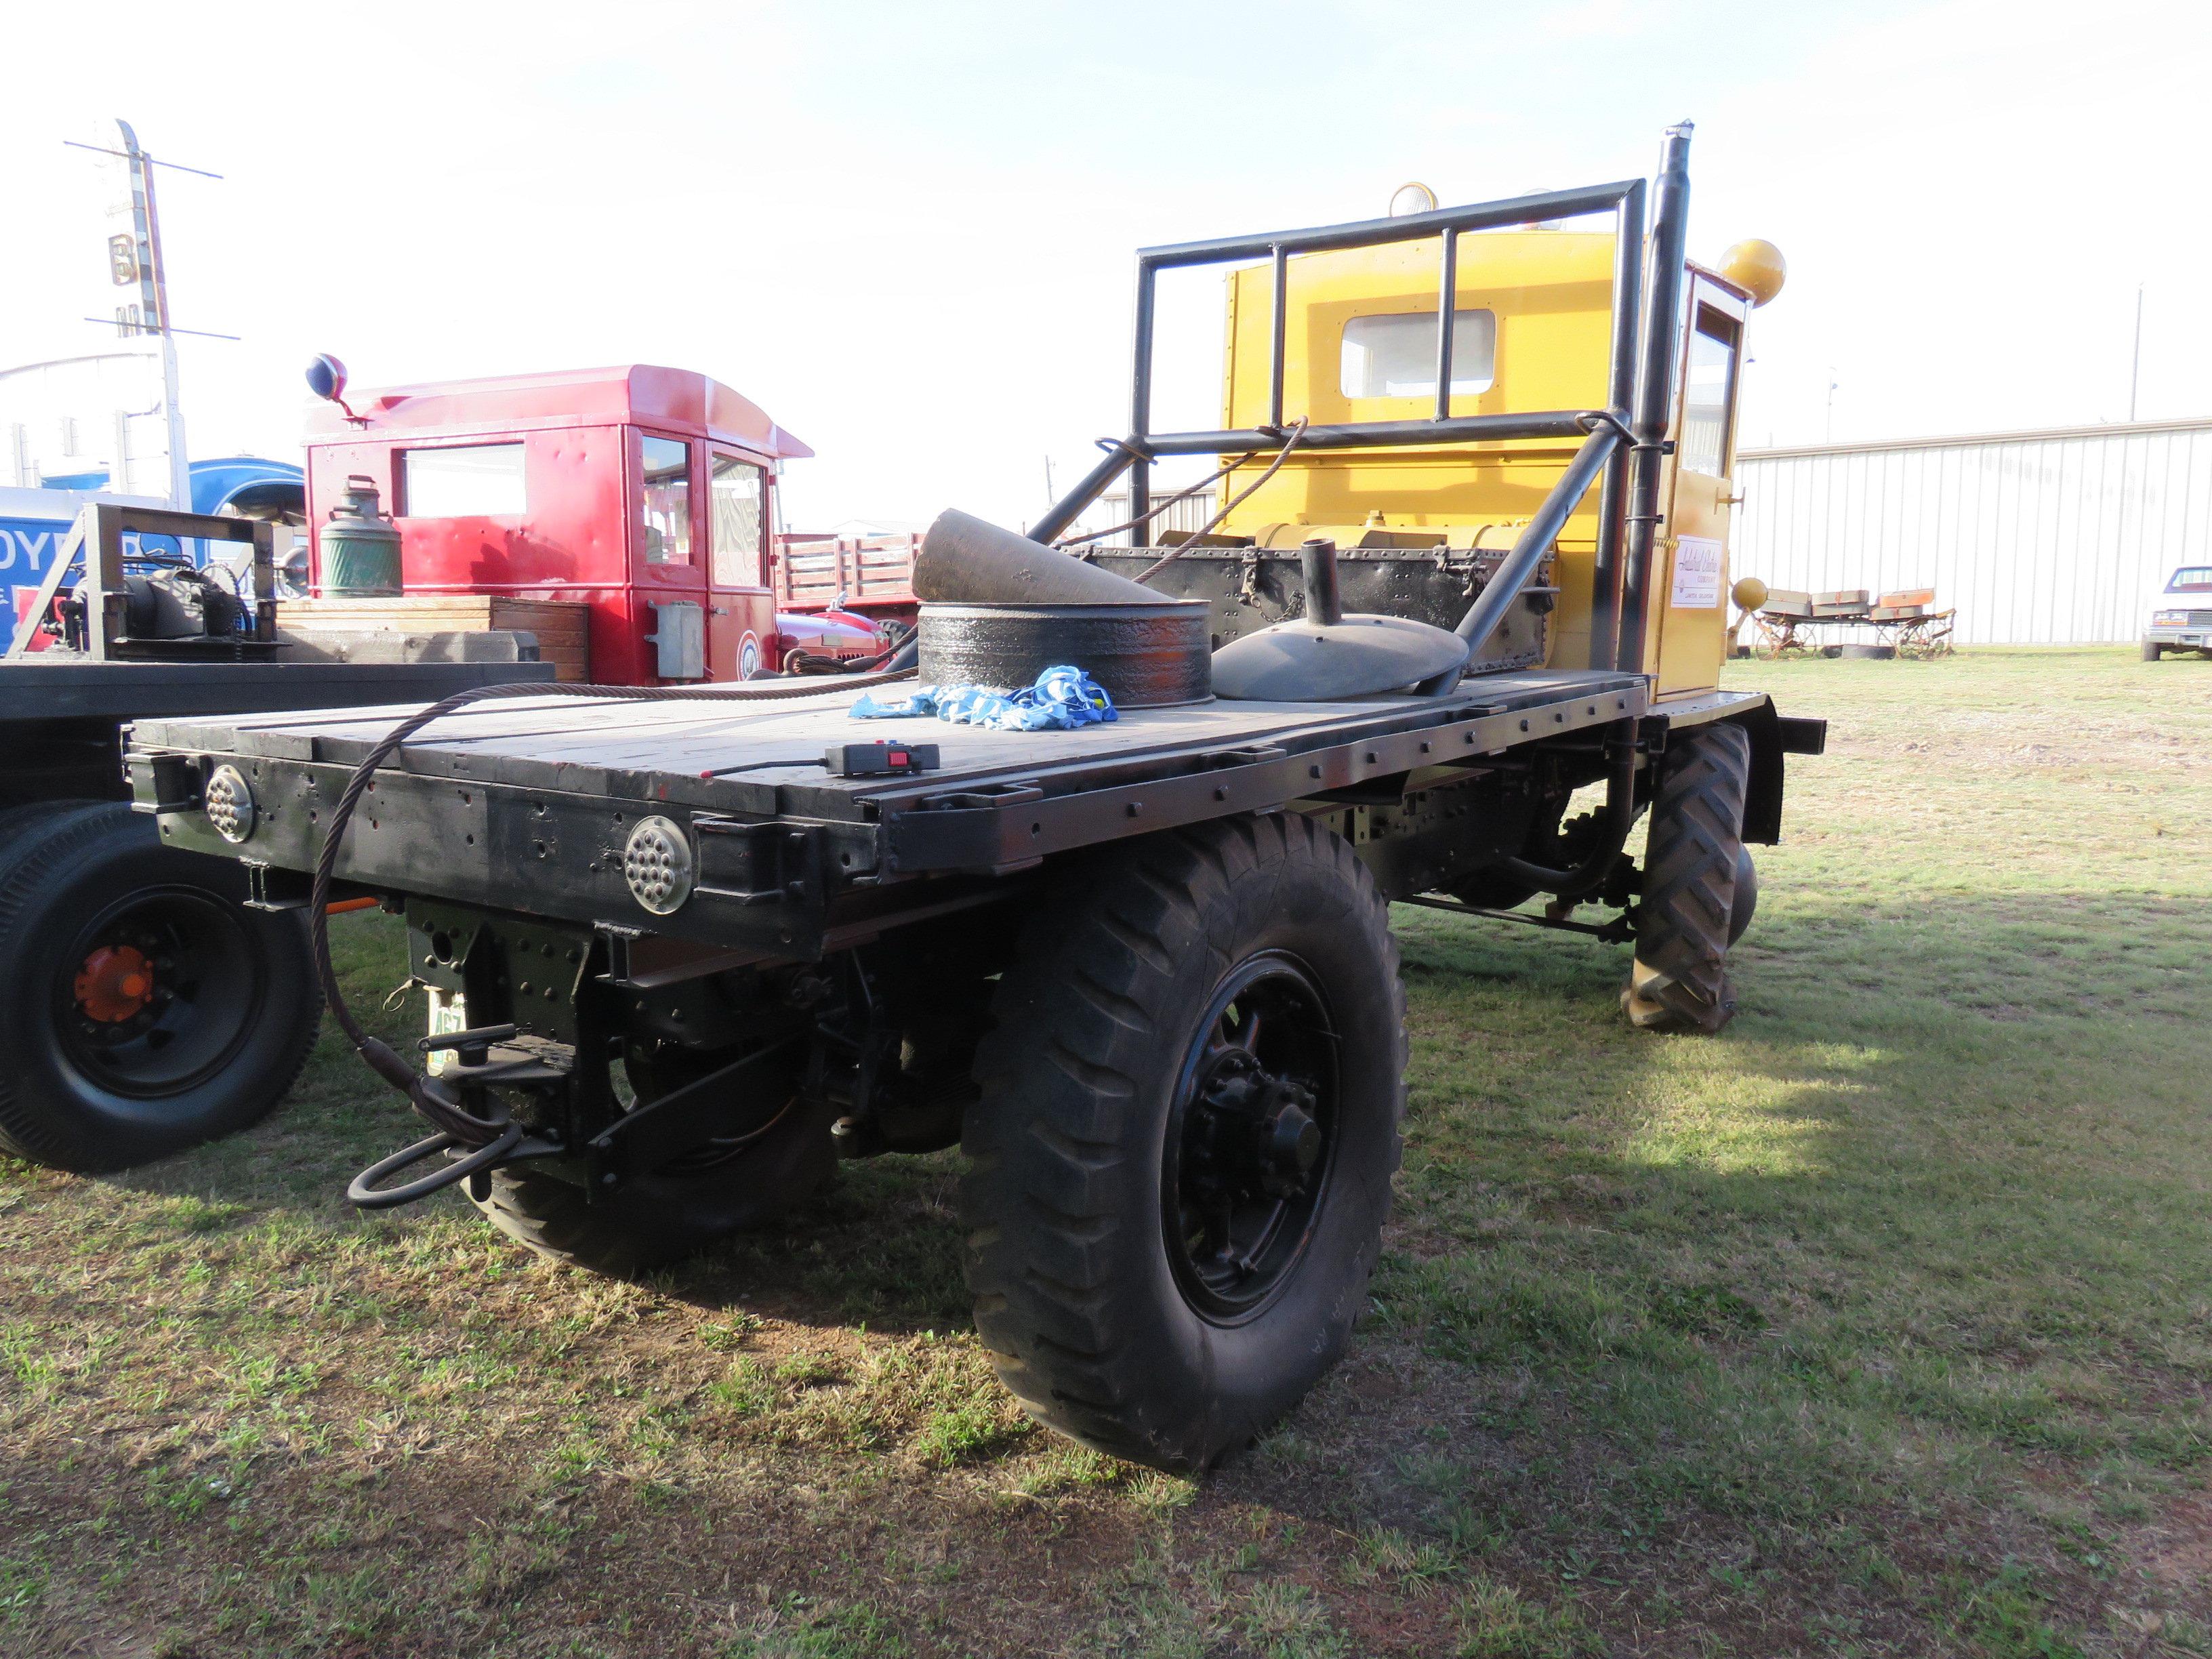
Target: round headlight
229, 804
1409, 198
657, 865
1757, 267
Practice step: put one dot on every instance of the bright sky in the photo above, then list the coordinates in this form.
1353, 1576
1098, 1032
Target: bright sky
904, 228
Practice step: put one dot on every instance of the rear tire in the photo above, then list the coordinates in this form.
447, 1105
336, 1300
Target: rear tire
1687, 918
1163, 1258
1744, 904
652, 1220
144, 1009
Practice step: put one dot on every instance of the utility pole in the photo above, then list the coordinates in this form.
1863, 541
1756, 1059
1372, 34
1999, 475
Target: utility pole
135, 265
2135, 372
1828, 434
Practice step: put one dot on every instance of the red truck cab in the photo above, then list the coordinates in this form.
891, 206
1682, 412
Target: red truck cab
646, 494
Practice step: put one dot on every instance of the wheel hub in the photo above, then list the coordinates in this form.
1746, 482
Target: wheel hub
1259, 1134
115, 984
156, 992
1249, 1148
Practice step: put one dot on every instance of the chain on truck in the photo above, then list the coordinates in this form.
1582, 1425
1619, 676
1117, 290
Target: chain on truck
702, 942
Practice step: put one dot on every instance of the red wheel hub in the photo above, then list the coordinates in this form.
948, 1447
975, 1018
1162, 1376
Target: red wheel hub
115, 982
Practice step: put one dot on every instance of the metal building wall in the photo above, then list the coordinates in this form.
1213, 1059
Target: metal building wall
2051, 537
1188, 515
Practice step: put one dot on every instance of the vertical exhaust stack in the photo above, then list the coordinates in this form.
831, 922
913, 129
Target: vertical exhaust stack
1655, 388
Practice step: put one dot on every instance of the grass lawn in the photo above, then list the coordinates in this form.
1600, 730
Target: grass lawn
1881, 1324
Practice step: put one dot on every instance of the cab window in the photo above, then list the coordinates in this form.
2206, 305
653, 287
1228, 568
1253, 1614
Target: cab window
1394, 354
667, 501
735, 494
462, 481
1707, 395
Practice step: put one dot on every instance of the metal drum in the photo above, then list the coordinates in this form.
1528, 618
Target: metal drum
1146, 656
360, 548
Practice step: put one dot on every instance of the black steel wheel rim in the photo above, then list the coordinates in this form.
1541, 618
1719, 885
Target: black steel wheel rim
207, 980
1250, 1146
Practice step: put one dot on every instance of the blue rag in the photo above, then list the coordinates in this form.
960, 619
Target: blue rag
1062, 699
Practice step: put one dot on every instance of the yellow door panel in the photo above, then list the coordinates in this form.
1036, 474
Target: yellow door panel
1687, 639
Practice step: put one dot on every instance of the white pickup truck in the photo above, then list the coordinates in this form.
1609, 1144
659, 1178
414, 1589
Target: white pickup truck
2182, 620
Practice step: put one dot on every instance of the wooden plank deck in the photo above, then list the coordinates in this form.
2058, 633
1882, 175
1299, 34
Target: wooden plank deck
562, 626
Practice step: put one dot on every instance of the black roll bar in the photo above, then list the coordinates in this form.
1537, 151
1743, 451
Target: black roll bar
1530, 547
1647, 291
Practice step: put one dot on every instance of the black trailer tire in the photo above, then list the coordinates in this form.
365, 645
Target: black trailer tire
144, 1009
15, 820
1132, 1283
650, 1221
1685, 921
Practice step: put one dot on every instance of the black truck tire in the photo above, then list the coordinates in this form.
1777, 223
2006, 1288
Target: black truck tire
144, 1009
650, 1221
1180, 1163
1686, 919
2152, 651
1744, 904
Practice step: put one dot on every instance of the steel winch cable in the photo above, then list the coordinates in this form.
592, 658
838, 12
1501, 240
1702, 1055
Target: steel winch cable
1297, 434
464, 1127
1066, 542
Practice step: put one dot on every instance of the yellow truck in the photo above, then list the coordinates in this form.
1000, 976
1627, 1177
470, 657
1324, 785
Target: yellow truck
1471, 560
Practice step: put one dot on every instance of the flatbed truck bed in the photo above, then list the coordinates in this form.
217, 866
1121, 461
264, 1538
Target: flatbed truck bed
525, 802
58, 686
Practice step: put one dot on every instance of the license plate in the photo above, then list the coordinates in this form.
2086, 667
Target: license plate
449, 1013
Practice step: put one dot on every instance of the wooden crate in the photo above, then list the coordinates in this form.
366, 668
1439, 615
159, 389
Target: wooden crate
562, 627
1906, 602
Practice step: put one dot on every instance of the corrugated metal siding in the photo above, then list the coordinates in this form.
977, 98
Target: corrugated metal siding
2058, 538
1186, 515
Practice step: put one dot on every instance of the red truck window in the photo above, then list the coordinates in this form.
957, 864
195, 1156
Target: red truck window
667, 501
736, 523
467, 481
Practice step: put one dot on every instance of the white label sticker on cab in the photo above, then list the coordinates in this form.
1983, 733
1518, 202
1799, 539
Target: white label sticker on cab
1697, 573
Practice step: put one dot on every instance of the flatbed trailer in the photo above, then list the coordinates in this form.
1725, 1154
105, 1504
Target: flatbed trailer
684, 948
146, 1007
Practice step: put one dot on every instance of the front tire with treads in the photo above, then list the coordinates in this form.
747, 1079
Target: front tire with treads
1180, 1163
1685, 921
